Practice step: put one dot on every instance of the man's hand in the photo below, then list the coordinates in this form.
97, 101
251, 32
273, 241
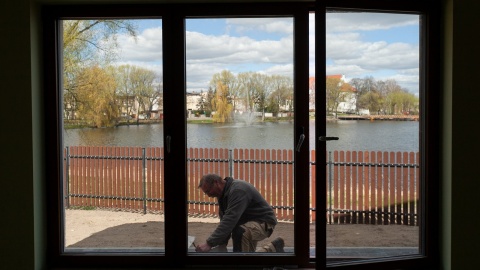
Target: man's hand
203, 248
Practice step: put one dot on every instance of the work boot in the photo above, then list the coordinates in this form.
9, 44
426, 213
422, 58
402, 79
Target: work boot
278, 244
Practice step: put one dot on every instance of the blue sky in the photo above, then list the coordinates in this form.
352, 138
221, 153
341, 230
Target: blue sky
408, 34
384, 46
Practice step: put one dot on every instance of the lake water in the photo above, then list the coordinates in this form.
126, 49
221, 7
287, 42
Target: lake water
354, 135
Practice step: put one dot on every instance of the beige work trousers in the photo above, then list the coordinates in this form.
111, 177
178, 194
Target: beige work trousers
254, 232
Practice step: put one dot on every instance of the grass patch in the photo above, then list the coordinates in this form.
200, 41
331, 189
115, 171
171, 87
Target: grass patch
278, 119
75, 126
200, 121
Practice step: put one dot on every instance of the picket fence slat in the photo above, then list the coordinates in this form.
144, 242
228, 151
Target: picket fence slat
386, 186
354, 208
363, 187
348, 185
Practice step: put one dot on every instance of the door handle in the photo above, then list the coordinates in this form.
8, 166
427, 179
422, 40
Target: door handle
300, 142
325, 138
301, 138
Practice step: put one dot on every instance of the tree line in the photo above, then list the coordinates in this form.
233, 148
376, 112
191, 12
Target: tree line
384, 97
255, 92
230, 95
376, 96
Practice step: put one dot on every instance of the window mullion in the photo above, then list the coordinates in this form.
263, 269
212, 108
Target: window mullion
175, 139
320, 130
302, 155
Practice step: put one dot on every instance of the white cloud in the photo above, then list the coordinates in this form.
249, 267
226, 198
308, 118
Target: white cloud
351, 71
284, 70
208, 54
269, 25
236, 50
408, 78
376, 55
345, 46
199, 76
147, 47
348, 22
347, 50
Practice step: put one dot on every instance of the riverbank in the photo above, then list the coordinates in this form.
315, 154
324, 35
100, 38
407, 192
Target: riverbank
73, 124
400, 117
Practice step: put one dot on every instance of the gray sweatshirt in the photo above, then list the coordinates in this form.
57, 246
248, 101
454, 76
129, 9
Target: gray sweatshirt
240, 202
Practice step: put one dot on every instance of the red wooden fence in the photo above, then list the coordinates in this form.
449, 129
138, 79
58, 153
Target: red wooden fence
362, 187
373, 187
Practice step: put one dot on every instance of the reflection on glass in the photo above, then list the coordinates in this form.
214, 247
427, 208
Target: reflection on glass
372, 93
113, 176
240, 110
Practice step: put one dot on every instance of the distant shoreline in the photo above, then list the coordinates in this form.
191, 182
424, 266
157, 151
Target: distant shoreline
208, 120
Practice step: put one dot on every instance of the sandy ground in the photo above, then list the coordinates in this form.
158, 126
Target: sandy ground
101, 228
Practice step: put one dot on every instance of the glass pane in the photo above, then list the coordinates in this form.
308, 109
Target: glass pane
240, 125
373, 170
113, 154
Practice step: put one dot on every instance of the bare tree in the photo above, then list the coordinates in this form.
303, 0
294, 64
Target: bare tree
125, 90
281, 94
143, 86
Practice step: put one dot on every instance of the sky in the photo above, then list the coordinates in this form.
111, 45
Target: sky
383, 46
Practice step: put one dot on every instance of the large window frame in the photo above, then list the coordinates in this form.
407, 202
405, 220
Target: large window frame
173, 18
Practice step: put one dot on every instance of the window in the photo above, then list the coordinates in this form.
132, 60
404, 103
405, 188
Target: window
253, 138
175, 62
373, 169
116, 166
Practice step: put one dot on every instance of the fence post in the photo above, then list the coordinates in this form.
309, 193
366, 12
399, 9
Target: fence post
230, 163
144, 182
67, 177
330, 180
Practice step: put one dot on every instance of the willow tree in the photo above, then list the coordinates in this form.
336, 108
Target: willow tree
223, 108
96, 92
88, 43
228, 79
